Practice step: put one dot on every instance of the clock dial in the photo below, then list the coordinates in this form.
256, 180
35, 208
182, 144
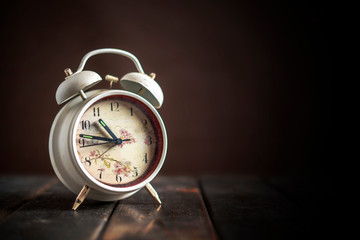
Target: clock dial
119, 141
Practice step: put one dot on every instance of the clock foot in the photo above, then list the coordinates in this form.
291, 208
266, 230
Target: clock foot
153, 193
81, 197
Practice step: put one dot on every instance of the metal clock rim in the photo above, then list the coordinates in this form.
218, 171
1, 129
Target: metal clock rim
82, 169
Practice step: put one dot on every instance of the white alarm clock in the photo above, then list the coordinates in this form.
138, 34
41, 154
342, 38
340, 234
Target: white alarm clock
108, 144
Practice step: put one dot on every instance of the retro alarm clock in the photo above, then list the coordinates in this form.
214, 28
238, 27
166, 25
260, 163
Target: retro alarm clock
108, 144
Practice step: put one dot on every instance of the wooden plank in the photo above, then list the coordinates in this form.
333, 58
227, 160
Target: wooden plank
316, 195
182, 214
16, 191
246, 208
49, 216
301, 189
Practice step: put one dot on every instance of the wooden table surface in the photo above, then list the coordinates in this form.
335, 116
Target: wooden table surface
209, 207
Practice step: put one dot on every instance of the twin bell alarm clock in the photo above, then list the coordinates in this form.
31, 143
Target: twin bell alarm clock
107, 144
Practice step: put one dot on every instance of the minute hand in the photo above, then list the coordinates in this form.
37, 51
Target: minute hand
96, 137
107, 129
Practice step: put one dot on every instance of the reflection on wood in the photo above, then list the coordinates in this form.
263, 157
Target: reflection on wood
239, 207
182, 214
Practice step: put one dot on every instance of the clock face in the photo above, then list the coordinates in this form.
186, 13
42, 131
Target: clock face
119, 141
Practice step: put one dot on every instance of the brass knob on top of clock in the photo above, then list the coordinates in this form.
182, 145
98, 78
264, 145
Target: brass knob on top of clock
74, 83
145, 86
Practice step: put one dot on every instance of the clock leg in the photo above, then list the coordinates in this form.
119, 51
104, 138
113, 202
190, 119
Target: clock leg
152, 192
81, 197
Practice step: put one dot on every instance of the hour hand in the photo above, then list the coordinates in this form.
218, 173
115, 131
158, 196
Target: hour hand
96, 138
107, 129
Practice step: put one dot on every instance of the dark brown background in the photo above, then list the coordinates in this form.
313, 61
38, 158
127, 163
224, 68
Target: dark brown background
245, 85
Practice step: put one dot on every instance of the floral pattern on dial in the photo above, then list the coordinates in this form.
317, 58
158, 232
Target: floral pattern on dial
118, 168
116, 141
126, 135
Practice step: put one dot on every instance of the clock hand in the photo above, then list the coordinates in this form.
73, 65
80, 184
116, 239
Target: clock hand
107, 129
104, 152
119, 141
97, 138
109, 140
95, 144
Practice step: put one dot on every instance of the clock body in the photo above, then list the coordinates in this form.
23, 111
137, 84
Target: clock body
83, 149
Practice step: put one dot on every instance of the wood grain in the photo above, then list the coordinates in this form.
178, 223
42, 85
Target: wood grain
225, 207
302, 190
316, 195
15, 191
246, 208
49, 216
181, 216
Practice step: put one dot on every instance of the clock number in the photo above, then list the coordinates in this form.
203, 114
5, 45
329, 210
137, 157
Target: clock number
131, 111
144, 122
118, 178
148, 140
89, 142
85, 124
82, 142
88, 162
100, 174
145, 158
136, 172
96, 111
114, 106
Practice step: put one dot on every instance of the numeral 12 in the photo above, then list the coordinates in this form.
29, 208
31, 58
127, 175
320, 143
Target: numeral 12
114, 106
